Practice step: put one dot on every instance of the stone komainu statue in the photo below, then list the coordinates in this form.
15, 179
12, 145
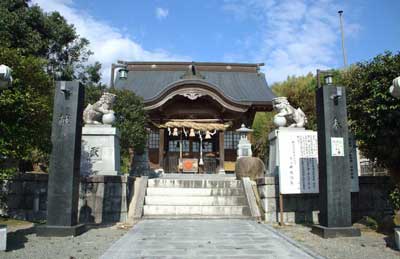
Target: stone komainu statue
395, 88
94, 113
5, 76
287, 114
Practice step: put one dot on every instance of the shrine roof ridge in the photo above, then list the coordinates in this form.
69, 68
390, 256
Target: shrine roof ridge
239, 82
186, 63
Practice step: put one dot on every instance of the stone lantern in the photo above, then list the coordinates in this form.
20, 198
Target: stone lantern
244, 146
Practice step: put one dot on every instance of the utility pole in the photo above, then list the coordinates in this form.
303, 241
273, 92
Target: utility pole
341, 29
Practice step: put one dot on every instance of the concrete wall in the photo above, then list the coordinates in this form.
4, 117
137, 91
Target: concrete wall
102, 199
371, 200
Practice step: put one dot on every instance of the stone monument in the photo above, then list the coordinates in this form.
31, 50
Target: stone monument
334, 163
100, 141
63, 184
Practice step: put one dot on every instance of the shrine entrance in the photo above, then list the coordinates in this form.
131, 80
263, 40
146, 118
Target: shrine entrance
192, 155
191, 126
194, 109
193, 147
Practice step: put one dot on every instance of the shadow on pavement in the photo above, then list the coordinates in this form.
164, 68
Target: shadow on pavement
17, 239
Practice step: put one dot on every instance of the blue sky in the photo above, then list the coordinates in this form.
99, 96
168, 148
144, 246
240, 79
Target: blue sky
292, 37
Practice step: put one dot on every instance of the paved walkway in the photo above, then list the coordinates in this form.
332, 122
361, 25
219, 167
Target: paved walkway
228, 238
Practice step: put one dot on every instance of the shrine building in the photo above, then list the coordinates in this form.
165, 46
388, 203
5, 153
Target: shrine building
194, 109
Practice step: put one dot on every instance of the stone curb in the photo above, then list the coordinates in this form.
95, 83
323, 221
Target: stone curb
294, 243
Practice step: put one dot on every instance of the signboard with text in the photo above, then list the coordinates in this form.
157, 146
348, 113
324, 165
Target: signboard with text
353, 157
298, 161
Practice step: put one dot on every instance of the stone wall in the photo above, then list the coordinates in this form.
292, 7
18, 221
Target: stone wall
102, 199
371, 200
27, 197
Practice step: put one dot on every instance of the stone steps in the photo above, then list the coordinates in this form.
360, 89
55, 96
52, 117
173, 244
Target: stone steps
176, 176
188, 183
196, 200
195, 196
194, 191
186, 210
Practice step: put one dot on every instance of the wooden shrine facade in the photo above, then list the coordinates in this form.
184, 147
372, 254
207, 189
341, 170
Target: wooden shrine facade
194, 109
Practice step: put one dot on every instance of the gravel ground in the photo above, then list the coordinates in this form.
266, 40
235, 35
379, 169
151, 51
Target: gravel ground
370, 245
23, 243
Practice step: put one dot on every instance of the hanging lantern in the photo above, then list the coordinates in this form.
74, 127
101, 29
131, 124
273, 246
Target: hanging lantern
191, 134
208, 136
175, 133
123, 73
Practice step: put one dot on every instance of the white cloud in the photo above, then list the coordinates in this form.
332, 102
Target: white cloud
298, 36
161, 13
107, 42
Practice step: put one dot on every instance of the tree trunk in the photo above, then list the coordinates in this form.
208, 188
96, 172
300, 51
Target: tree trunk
395, 175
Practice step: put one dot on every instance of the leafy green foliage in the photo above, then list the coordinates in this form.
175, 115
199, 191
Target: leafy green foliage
131, 120
374, 114
45, 35
262, 126
394, 197
40, 48
91, 80
26, 107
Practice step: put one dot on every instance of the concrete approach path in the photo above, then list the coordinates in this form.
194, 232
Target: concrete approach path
204, 238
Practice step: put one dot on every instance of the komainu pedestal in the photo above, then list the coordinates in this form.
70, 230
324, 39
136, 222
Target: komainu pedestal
100, 150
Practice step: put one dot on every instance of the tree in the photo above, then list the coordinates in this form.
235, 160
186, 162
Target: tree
131, 120
40, 48
262, 126
45, 35
26, 108
374, 115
